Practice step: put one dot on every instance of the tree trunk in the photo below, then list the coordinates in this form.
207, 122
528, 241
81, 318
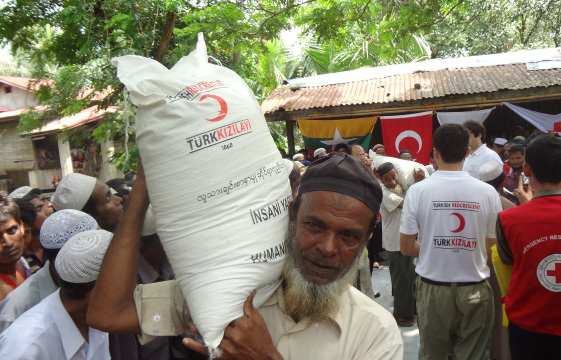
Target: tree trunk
165, 39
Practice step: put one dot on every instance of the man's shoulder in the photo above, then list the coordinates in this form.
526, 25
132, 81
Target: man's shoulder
366, 308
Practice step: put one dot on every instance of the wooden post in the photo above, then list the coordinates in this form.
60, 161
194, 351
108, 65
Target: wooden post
290, 136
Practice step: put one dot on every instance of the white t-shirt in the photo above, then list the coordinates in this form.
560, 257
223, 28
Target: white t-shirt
452, 213
391, 217
481, 156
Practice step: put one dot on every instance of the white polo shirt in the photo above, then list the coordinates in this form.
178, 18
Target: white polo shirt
452, 213
391, 217
481, 156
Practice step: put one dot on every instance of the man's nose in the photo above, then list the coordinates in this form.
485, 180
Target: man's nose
6, 241
327, 245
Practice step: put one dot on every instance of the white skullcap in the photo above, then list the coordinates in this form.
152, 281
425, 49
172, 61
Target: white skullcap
20, 192
299, 164
490, 171
80, 258
500, 141
113, 191
149, 226
320, 151
519, 138
73, 191
298, 157
62, 225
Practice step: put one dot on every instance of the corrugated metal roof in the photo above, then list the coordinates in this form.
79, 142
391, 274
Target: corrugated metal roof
70, 122
411, 86
22, 82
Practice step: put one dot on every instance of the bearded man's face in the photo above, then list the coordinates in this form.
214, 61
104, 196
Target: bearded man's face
326, 238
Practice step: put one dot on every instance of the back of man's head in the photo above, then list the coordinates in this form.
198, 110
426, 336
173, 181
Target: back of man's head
8, 209
79, 261
543, 156
27, 211
475, 128
33, 194
451, 141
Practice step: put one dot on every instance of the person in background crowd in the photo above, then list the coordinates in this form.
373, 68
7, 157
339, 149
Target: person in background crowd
320, 153
493, 174
479, 153
55, 232
28, 215
56, 181
11, 246
298, 157
433, 166
498, 146
448, 222
528, 239
515, 161
293, 176
342, 148
56, 327
379, 149
405, 155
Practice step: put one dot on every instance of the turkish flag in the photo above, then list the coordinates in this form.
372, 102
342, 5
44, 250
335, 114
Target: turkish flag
408, 132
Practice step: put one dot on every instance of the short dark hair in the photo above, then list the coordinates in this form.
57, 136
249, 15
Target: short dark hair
8, 209
543, 156
405, 152
517, 149
451, 141
50, 254
343, 146
475, 128
27, 211
115, 183
129, 176
431, 153
385, 168
293, 176
76, 291
32, 194
90, 207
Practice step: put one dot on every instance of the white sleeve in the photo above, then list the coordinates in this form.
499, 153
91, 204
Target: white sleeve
492, 218
409, 225
390, 200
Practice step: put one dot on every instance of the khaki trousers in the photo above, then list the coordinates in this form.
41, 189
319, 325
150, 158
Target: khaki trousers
456, 319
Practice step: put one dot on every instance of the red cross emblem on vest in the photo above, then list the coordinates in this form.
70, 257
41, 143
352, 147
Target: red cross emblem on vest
549, 272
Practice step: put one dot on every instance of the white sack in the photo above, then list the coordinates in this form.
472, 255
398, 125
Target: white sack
216, 181
405, 169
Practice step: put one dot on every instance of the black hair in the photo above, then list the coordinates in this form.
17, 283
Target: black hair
543, 156
129, 176
50, 254
115, 183
431, 153
27, 211
293, 176
475, 128
405, 152
76, 291
385, 168
32, 194
8, 209
451, 141
517, 149
90, 207
342, 146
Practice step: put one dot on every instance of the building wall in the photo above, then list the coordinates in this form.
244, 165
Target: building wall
16, 151
17, 99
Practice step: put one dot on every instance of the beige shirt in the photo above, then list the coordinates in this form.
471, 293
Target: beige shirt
361, 329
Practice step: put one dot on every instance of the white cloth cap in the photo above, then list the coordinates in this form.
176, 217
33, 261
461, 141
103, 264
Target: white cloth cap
490, 171
320, 151
20, 192
149, 226
288, 165
62, 225
73, 191
298, 157
80, 258
500, 141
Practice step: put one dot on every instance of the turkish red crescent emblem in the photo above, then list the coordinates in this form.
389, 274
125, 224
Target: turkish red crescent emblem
223, 107
462, 223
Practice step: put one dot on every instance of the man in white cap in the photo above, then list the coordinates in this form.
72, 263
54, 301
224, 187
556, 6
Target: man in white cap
320, 153
86, 193
493, 174
56, 327
55, 232
498, 146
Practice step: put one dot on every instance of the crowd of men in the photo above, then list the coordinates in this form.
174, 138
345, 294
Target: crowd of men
84, 277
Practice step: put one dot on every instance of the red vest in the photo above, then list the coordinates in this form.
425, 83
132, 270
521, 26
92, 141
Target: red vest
533, 233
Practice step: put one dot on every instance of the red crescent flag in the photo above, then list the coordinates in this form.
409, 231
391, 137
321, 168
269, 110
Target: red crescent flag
408, 132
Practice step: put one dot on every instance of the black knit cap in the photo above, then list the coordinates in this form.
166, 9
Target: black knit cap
344, 174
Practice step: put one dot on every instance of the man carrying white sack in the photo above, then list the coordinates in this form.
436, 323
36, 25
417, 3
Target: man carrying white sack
314, 315
56, 327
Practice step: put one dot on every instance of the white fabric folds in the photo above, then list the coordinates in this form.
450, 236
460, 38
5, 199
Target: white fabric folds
463, 116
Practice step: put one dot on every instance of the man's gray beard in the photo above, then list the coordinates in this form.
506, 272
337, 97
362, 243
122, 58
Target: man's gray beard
398, 190
305, 299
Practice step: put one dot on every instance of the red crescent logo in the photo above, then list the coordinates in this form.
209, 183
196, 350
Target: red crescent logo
223, 107
462, 223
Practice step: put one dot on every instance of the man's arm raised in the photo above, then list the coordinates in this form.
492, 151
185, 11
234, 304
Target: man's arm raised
112, 307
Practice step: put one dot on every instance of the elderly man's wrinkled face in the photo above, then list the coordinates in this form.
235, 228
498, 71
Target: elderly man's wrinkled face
325, 241
330, 231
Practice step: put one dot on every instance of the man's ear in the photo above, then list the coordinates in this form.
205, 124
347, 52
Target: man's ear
468, 152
